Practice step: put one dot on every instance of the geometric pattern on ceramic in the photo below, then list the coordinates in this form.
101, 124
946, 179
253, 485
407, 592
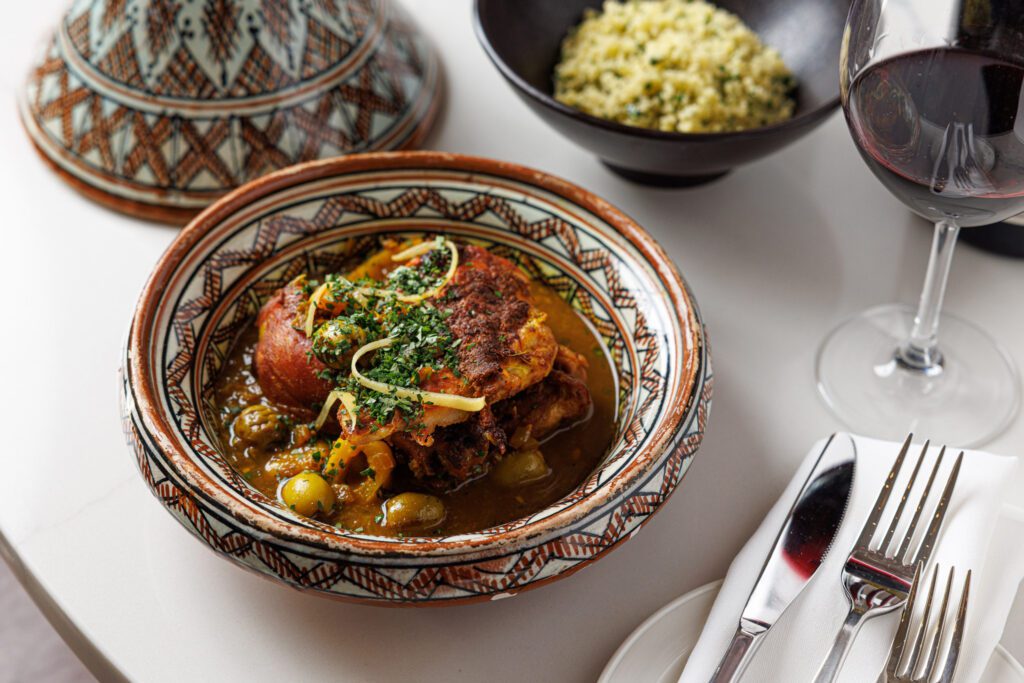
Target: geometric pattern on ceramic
213, 281
159, 107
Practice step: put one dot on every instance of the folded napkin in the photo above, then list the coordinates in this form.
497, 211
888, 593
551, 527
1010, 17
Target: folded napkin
976, 535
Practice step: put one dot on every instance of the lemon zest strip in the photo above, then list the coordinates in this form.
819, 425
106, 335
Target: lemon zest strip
434, 398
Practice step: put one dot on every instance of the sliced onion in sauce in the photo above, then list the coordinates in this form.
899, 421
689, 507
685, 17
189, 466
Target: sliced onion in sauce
347, 400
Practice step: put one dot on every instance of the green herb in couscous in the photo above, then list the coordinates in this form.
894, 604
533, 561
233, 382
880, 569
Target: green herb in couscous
673, 65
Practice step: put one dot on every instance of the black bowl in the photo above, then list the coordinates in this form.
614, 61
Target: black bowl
523, 39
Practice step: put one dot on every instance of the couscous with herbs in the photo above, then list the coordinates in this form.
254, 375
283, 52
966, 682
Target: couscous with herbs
673, 65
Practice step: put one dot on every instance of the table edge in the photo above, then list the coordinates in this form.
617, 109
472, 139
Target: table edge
91, 656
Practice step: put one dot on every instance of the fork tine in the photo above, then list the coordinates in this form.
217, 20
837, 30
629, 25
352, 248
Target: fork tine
953, 656
899, 642
903, 502
933, 651
868, 532
925, 549
902, 552
915, 652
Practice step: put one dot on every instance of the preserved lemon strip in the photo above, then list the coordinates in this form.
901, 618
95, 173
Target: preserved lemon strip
314, 300
434, 398
419, 250
347, 399
361, 293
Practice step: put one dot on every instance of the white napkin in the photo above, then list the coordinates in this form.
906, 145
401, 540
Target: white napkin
795, 647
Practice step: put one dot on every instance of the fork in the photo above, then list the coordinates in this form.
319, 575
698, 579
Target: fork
876, 580
912, 670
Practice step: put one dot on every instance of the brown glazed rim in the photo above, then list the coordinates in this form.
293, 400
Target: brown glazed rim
180, 455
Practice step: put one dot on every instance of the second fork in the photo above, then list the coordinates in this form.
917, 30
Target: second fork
920, 663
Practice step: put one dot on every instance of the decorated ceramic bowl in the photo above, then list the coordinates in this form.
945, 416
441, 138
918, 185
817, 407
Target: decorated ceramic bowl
159, 107
523, 38
213, 279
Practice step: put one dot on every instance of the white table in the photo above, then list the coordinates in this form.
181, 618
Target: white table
777, 253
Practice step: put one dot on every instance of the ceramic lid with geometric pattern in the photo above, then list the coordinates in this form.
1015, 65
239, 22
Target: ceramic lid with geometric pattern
159, 107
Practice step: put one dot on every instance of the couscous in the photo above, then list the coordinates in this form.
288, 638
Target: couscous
673, 65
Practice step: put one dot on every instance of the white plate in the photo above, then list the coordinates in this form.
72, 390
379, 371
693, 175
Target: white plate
657, 650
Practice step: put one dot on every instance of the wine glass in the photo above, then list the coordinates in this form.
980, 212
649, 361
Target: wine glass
932, 92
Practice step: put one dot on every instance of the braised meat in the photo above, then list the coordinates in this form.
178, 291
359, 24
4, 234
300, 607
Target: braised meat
557, 402
504, 345
287, 370
465, 451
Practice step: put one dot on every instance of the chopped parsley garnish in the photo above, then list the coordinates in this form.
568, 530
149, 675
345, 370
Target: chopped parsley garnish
422, 344
426, 275
336, 338
364, 312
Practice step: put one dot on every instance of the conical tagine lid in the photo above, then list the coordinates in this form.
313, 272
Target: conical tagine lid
159, 107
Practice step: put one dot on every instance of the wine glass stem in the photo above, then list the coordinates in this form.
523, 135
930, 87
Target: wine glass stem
920, 351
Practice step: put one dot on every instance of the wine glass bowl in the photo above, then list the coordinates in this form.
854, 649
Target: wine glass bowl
944, 152
933, 93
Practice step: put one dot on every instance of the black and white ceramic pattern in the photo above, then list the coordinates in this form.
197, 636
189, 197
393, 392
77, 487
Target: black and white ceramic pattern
213, 279
159, 107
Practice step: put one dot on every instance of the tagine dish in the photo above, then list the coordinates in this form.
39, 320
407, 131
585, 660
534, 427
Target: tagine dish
432, 388
414, 378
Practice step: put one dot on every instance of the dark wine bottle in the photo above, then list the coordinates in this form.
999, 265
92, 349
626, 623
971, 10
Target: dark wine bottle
1006, 238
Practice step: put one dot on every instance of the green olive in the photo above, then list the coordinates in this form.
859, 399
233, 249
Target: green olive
308, 493
413, 510
260, 426
336, 340
521, 467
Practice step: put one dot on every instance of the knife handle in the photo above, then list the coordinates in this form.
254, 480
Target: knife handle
736, 658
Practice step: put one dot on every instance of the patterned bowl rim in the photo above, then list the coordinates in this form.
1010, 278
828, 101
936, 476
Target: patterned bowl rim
664, 432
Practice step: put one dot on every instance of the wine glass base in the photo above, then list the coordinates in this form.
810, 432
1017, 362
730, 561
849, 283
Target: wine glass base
969, 401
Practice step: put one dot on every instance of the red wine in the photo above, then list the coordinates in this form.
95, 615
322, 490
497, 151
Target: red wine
943, 129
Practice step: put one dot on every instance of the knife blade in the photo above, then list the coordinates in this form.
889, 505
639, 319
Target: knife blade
799, 549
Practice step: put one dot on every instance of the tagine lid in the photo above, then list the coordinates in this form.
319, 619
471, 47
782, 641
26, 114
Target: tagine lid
159, 107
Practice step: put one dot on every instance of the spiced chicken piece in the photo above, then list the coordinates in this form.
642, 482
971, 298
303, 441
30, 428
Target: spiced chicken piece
559, 401
504, 345
287, 370
456, 454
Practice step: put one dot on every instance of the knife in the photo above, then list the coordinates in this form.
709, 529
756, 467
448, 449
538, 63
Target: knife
798, 551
